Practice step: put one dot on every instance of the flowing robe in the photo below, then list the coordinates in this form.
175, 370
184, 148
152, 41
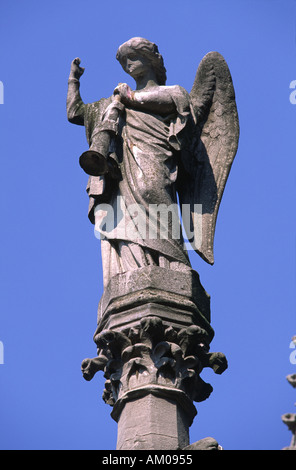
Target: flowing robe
138, 221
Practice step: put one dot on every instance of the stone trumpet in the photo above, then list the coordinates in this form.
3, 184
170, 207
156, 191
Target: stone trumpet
96, 161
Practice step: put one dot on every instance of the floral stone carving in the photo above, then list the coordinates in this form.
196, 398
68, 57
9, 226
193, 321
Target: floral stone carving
153, 354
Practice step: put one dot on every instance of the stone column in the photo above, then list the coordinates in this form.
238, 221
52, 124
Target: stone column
290, 418
153, 340
152, 420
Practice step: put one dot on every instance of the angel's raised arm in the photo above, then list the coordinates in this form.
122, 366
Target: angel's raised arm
75, 105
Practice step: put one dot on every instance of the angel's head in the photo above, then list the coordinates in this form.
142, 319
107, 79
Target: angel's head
139, 55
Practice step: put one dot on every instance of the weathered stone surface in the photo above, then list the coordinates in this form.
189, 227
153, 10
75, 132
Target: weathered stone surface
208, 443
153, 147
164, 140
289, 419
178, 298
154, 353
152, 422
154, 359
292, 380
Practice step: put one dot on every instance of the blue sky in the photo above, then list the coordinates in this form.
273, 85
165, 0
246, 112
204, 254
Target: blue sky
50, 271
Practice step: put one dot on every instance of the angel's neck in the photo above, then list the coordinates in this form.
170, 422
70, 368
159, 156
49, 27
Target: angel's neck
147, 81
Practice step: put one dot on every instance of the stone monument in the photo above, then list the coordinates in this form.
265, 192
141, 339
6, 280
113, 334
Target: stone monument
290, 418
158, 159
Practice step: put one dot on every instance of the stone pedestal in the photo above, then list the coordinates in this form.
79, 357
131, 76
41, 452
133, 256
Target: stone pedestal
153, 339
177, 298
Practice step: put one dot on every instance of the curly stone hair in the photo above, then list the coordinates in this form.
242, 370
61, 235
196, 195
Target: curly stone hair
147, 49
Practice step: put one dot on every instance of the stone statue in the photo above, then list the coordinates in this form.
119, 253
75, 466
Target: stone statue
148, 145
158, 161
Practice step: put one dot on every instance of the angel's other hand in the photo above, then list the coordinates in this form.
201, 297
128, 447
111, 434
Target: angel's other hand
76, 70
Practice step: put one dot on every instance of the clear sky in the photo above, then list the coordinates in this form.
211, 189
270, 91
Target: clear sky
51, 279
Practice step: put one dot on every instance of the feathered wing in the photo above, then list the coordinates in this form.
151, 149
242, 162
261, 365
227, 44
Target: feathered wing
213, 141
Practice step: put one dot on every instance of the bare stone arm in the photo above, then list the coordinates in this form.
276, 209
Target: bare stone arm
75, 105
156, 99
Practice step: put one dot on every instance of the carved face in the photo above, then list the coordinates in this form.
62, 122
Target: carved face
135, 64
147, 53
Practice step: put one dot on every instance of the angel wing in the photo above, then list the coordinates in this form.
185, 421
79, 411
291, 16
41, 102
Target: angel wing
214, 140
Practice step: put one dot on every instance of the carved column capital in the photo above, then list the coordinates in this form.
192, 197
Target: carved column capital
154, 358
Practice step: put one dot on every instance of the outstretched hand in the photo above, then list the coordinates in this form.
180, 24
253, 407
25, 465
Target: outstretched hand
124, 92
76, 70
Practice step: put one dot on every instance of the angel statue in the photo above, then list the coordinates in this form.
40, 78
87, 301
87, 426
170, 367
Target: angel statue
157, 146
